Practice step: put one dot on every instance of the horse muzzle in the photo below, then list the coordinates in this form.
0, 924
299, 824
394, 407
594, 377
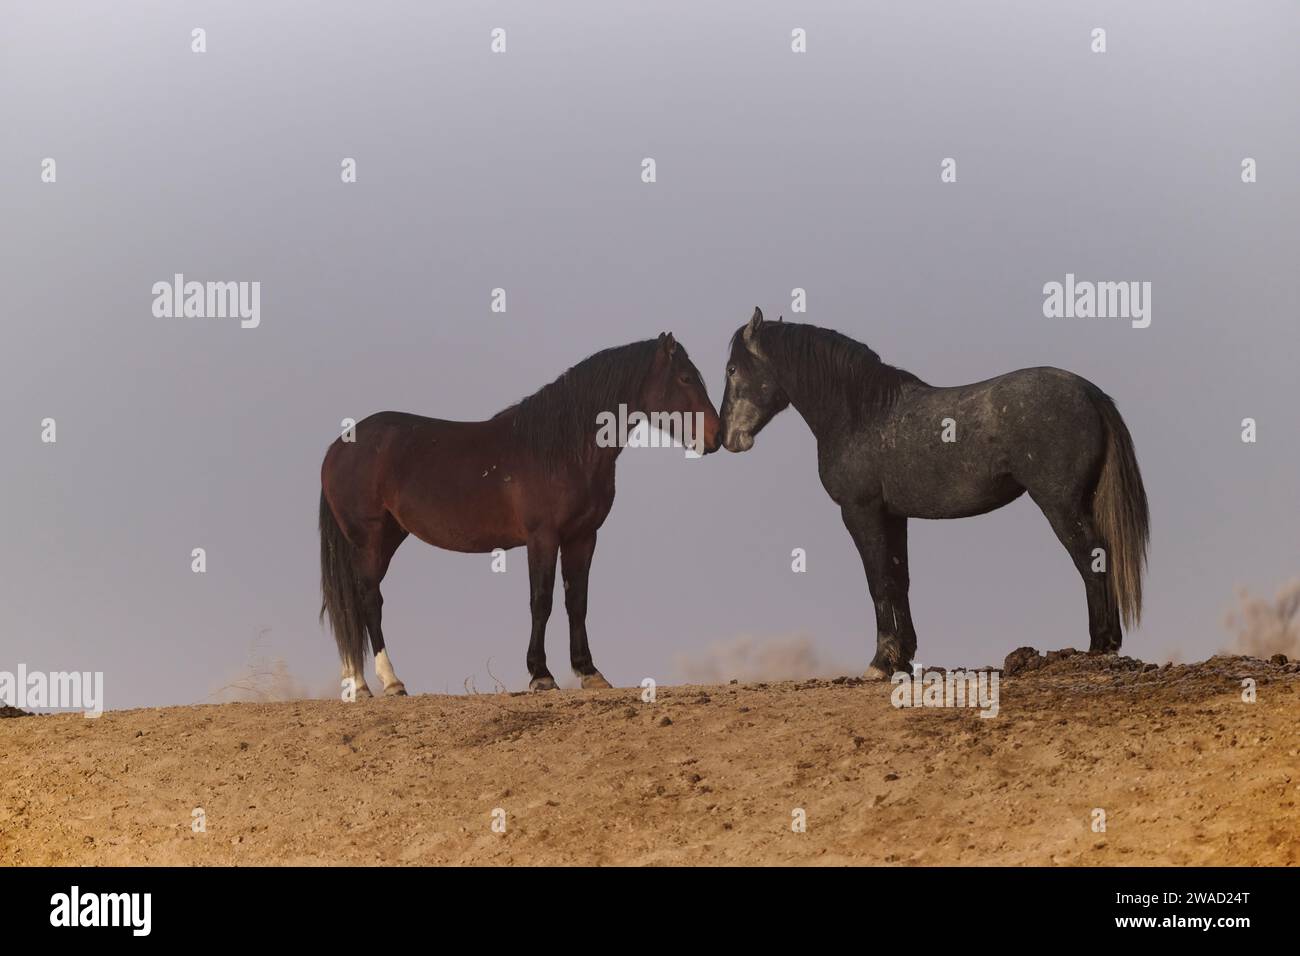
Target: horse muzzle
738, 441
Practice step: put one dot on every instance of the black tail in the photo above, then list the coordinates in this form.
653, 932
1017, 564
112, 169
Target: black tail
340, 590
1120, 509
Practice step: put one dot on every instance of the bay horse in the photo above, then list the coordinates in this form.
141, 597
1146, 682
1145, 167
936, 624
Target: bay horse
890, 447
533, 475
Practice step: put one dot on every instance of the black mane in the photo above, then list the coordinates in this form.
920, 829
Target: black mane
827, 371
557, 423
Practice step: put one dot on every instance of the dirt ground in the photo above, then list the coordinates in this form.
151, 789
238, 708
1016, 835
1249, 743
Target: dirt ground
1185, 771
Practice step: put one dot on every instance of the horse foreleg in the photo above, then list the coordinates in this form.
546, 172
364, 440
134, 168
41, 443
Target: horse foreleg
575, 566
542, 551
881, 540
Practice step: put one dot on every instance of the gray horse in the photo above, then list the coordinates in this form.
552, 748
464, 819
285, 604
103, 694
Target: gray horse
890, 447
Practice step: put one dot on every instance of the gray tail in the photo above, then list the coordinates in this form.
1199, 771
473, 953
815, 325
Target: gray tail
340, 590
1119, 508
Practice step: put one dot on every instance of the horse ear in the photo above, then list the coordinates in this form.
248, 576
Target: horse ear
668, 342
780, 318
754, 324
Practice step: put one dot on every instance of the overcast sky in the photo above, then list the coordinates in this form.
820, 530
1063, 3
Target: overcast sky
522, 170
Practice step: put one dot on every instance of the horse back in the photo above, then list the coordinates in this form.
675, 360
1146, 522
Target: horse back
947, 452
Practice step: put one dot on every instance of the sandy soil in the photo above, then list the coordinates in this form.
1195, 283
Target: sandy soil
1186, 772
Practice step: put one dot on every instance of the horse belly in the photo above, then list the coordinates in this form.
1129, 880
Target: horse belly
962, 497
945, 481
461, 530
459, 513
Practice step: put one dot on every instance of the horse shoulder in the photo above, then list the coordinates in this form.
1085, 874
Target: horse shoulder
848, 463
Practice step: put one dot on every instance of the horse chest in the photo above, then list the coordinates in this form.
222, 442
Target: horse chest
848, 472
584, 506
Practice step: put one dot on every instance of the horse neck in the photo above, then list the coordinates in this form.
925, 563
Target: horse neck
601, 459
825, 407
822, 408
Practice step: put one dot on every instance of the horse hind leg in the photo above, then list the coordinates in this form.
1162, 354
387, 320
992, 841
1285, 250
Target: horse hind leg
373, 559
1077, 531
383, 663
355, 680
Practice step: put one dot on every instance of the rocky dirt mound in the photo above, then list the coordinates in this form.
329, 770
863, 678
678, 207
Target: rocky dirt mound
1223, 672
1025, 659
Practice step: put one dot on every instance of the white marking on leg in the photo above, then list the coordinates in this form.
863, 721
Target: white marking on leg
358, 682
384, 668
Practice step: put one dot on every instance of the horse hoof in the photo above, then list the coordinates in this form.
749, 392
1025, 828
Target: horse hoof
875, 673
395, 690
595, 682
542, 683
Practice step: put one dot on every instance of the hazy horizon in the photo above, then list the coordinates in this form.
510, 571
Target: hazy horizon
522, 170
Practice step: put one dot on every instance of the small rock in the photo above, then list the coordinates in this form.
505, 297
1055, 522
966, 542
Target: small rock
1020, 660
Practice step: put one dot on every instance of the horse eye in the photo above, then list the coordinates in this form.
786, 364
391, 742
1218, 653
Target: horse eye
685, 380
731, 370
